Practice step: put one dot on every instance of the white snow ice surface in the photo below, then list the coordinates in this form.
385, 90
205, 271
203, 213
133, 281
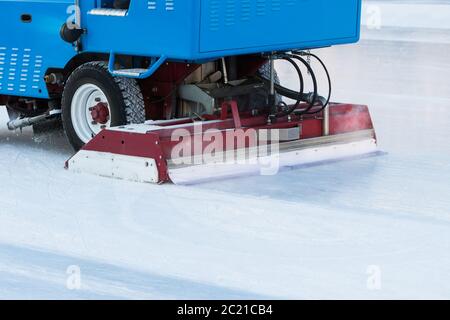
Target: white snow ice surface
370, 228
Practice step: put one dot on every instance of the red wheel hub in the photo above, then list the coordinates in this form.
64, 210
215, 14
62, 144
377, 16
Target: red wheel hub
100, 113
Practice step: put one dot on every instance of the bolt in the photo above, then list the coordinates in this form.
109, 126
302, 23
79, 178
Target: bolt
94, 122
98, 100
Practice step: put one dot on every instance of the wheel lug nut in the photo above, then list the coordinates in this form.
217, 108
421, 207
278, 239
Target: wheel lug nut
94, 122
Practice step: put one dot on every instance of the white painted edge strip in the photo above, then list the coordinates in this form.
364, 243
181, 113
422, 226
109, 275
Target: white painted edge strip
117, 166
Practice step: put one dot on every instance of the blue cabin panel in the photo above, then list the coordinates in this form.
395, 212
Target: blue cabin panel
30, 44
258, 25
206, 29
181, 30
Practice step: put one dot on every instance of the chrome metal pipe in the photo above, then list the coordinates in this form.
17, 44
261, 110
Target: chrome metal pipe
326, 121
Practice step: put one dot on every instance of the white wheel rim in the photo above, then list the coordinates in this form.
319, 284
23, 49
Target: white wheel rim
86, 97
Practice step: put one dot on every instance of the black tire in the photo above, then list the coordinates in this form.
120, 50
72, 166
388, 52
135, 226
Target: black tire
124, 95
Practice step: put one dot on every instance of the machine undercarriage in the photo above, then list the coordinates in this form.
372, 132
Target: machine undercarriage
226, 127
224, 118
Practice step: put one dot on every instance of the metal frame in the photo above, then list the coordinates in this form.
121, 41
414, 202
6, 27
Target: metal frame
348, 124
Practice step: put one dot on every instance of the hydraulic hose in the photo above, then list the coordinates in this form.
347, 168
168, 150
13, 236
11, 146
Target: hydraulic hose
298, 96
288, 93
327, 101
311, 98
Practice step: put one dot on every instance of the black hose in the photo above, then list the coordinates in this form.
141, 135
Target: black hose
300, 96
311, 98
327, 102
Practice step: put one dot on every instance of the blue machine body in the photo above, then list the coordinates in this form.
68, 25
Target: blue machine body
176, 30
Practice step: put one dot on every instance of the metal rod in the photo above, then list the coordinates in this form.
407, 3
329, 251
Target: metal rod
272, 76
25, 122
225, 71
326, 121
272, 100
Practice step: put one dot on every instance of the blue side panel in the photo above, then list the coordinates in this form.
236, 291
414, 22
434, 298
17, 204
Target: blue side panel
28, 49
150, 28
258, 24
206, 29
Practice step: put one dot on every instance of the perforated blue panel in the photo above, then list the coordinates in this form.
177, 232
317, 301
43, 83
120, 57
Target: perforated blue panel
196, 30
20, 70
28, 49
241, 24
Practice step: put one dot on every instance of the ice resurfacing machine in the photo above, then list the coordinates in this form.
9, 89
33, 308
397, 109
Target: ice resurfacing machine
182, 90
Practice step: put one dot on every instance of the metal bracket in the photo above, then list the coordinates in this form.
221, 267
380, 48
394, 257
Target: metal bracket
136, 73
234, 111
